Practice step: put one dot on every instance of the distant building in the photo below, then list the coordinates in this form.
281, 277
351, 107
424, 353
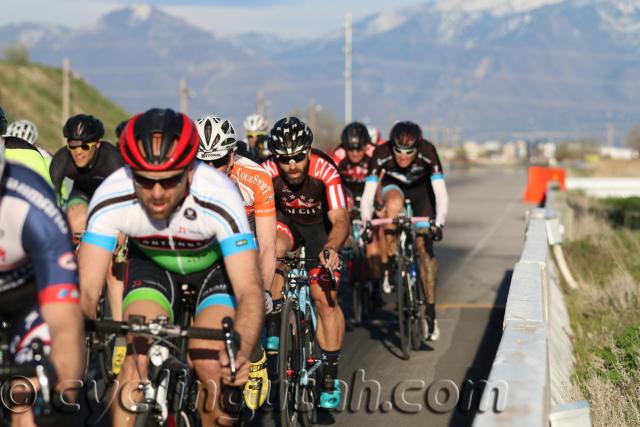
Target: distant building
618, 153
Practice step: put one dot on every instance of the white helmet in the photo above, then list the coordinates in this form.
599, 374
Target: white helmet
23, 129
217, 137
255, 124
374, 133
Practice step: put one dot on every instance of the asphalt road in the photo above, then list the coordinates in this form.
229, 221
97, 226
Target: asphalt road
483, 241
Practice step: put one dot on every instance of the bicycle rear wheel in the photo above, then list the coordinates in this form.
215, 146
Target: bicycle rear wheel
404, 318
289, 365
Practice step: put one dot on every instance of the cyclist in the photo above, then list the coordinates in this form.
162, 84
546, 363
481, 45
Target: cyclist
217, 148
412, 170
311, 210
352, 157
27, 130
186, 225
87, 161
375, 135
38, 281
255, 126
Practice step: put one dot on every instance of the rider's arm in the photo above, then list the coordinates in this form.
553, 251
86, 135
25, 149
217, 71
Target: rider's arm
240, 256
265, 219
370, 187
340, 226
266, 233
439, 187
46, 239
94, 260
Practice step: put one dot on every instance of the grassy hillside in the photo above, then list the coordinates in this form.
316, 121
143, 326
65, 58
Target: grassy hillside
34, 92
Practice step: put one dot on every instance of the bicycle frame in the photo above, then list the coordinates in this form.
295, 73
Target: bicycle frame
297, 290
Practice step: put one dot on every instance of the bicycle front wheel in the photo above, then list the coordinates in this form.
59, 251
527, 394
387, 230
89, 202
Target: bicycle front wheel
404, 318
289, 365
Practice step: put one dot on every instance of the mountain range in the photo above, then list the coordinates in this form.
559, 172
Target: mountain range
490, 68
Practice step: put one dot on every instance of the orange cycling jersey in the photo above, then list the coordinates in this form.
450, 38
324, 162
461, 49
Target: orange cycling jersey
256, 188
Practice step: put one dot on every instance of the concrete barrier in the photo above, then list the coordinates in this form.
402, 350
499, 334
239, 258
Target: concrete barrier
535, 356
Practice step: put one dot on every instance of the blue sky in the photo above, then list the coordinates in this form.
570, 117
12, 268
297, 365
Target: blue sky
307, 18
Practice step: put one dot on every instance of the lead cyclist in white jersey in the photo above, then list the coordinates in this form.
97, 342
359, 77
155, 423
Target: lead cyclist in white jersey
186, 224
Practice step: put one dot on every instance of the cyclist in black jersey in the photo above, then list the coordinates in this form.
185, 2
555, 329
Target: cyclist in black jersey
87, 161
410, 168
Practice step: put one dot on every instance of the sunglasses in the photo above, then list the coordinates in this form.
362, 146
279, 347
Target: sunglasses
85, 146
355, 149
165, 183
297, 158
404, 151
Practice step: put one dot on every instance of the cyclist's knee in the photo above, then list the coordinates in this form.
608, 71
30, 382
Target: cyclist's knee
77, 217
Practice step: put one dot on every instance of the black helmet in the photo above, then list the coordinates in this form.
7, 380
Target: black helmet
289, 136
354, 136
3, 122
120, 128
405, 135
83, 127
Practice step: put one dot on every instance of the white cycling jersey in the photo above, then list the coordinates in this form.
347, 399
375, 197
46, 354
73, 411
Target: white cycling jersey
210, 223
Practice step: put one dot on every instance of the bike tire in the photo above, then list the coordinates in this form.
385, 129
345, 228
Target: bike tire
419, 313
309, 395
288, 362
404, 320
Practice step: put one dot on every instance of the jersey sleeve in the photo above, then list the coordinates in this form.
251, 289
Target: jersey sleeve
45, 237
58, 168
107, 210
436, 167
330, 177
265, 202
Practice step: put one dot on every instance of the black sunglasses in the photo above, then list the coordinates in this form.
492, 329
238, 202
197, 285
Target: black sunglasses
165, 183
297, 158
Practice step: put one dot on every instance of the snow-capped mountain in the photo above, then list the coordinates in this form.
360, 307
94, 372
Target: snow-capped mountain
493, 68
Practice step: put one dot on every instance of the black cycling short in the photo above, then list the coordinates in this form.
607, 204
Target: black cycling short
418, 193
145, 280
313, 237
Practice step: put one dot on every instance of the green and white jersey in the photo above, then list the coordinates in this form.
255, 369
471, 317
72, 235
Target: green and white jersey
210, 223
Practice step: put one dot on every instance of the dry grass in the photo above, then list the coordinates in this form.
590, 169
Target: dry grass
605, 317
609, 168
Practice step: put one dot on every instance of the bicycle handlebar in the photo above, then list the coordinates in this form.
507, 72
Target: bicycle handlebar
158, 328
399, 219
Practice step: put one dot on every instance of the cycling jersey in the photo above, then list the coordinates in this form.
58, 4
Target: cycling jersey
37, 263
20, 151
256, 188
353, 174
425, 166
107, 159
210, 222
320, 192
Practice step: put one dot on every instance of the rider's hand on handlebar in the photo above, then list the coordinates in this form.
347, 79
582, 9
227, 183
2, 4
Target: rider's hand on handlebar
333, 261
242, 368
436, 232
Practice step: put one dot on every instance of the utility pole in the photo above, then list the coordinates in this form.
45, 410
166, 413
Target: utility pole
66, 90
347, 68
260, 103
611, 134
184, 97
312, 116
434, 130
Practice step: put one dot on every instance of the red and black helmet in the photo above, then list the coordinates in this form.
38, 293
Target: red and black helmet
175, 145
405, 135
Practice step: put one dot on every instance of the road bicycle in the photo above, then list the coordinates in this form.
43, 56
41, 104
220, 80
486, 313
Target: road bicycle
409, 290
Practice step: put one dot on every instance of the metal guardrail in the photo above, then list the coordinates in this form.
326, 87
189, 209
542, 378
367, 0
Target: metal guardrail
535, 355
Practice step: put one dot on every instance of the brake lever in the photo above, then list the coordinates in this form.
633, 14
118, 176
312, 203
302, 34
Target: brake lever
326, 254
